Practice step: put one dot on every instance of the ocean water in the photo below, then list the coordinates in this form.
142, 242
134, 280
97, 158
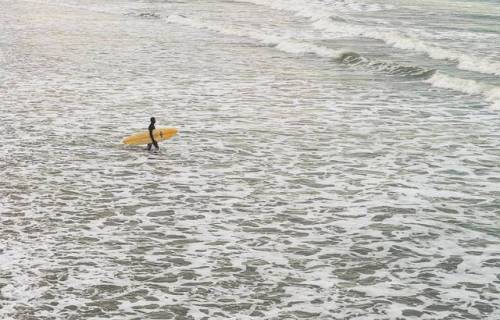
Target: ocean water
336, 159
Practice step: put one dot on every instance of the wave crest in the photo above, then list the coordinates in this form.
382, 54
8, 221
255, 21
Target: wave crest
467, 86
401, 41
299, 47
436, 79
325, 19
278, 42
353, 58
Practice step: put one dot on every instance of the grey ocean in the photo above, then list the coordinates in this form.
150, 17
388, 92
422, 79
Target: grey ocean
335, 159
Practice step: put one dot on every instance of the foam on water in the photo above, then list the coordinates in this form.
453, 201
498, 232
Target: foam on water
354, 59
298, 187
491, 94
319, 9
400, 41
280, 43
289, 45
321, 16
297, 47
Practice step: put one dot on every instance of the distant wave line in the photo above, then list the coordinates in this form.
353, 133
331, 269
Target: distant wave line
432, 77
321, 18
298, 47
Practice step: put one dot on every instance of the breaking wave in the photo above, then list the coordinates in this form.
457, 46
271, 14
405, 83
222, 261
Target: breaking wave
322, 20
431, 76
400, 41
354, 59
467, 86
144, 15
278, 42
317, 8
298, 47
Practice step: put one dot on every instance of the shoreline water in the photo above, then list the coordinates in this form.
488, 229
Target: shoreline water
299, 186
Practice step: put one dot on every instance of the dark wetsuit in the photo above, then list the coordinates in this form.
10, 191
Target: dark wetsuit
151, 128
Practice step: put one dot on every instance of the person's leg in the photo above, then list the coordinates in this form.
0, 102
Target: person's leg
149, 147
156, 145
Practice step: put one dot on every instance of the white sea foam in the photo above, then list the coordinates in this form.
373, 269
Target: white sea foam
281, 43
401, 41
321, 17
293, 46
321, 8
490, 93
257, 209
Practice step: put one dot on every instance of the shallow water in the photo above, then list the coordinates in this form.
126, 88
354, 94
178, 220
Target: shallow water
314, 177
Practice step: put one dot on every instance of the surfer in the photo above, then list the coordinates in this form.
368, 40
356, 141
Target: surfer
151, 128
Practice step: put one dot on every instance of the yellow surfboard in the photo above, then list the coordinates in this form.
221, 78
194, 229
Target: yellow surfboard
160, 134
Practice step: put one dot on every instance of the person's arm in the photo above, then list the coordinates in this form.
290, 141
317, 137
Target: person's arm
152, 136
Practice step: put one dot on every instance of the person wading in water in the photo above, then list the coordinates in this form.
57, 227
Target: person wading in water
151, 128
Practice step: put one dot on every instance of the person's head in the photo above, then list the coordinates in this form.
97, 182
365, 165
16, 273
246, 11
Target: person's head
153, 120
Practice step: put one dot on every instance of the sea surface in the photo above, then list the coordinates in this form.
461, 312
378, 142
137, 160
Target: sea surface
335, 159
